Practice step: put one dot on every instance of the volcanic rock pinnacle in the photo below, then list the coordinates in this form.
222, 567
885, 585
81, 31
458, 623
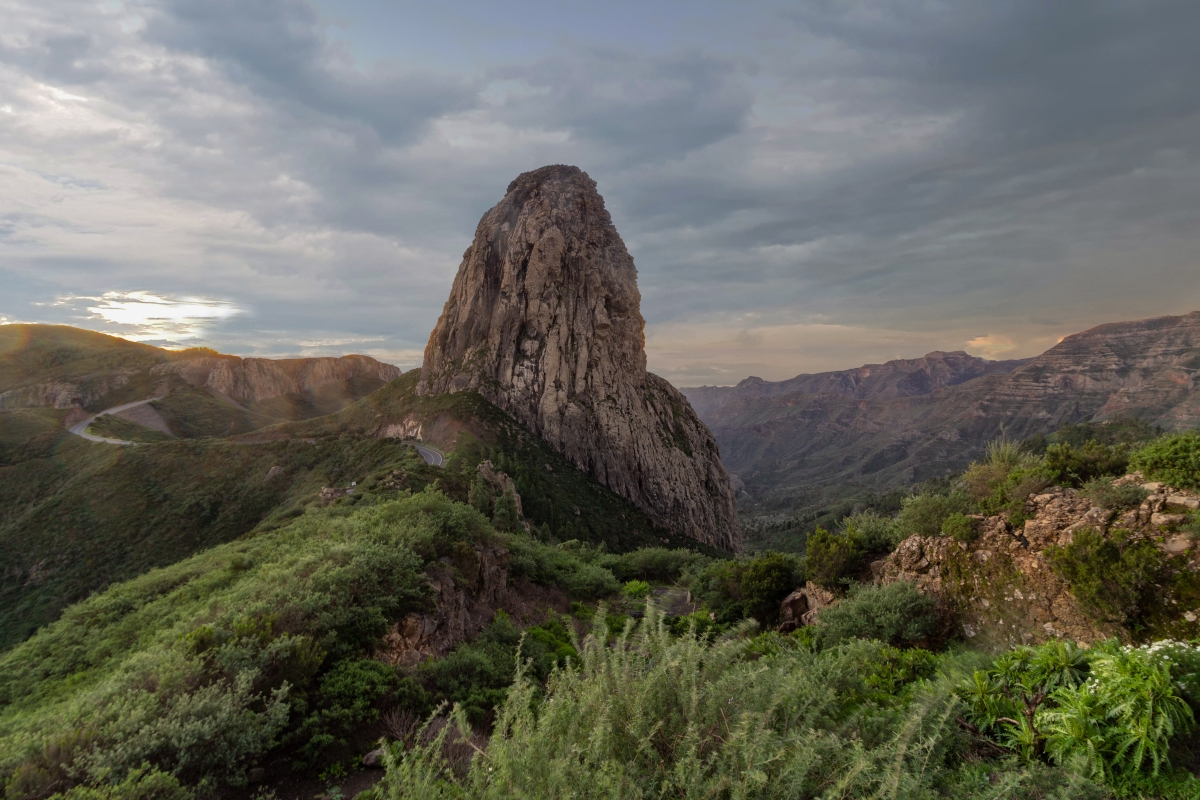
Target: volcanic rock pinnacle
544, 321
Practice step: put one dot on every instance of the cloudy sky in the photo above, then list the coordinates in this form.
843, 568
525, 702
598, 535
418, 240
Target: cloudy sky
804, 186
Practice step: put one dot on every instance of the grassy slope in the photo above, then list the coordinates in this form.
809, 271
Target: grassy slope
554, 492
77, 516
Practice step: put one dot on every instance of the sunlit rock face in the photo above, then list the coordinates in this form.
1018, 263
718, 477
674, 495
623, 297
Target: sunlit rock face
544, 321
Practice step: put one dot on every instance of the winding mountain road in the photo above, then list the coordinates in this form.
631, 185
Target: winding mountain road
80, 428
431, 456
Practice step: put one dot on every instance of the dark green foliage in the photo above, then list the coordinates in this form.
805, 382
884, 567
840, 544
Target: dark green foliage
480, 496
551, 565
350, 695
652, 564
1111, 713
1066, 465
1113, 577
872, 533
144, 783
1174, 460
1103, 493
555, 494
649, 714
830, 558
203, 667
748, 587
960, 528
923, 514
895, 613
85, 515
505, 516
477, 675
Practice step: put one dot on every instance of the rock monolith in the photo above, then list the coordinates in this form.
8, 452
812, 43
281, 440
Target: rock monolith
544, 320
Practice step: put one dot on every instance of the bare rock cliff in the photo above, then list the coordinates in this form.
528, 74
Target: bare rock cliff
249, 379
544, 321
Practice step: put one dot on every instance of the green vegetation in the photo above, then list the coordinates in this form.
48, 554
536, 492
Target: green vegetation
652, 714
960, 528
636, 589
748, 587
79, 516
895, 613
1115, 714
923, 514
1114, 578
1174, 460
118, 428
831, 558
258, 646
1105, 494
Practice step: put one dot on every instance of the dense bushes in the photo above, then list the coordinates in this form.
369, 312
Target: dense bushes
1104, 493
1113, 577
923, 514
1174, 460
895, 613
653, 715
749, 587
201, 668
1074, 466
1112, 712
830, 557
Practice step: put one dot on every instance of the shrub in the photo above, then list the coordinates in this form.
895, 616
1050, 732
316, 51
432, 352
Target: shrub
747, 587
960, 528
872, 533
829, 558
635, 589
923, 514
1103, 493
144, 783
1113, 578
895, 613
1174, 460
1074, 466
652, 564
551, 565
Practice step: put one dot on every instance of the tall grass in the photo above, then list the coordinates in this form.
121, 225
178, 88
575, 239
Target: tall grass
652, 715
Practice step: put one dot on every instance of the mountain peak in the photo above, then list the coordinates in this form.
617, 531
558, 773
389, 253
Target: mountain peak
544, 320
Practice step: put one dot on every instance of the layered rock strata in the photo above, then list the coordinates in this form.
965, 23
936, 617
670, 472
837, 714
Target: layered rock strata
544, 321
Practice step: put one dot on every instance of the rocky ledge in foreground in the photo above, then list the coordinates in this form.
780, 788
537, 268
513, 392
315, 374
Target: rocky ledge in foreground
1003, 587
544, 321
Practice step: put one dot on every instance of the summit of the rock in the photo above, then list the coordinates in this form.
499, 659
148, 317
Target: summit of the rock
544, 321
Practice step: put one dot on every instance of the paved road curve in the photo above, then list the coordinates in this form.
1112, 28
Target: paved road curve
80, 428
431, 456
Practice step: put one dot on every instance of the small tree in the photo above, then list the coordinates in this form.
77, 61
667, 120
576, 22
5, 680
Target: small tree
505, 518
480, 495
828, 558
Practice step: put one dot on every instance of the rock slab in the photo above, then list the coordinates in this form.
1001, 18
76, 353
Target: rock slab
544, 320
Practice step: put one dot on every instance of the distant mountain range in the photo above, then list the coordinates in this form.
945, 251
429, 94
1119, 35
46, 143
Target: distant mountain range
883, 426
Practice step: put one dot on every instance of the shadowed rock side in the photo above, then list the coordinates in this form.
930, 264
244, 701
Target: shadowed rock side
544, 321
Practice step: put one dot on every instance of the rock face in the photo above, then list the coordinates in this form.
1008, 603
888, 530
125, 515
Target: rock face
1002, 588
249, 380
544, 321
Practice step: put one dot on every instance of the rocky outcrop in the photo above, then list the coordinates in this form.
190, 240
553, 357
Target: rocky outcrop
1001, 587
544, 321
803, 606
465, 593
249, 380
878, 428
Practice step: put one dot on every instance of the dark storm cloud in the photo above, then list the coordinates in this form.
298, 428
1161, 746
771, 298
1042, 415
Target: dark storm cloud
946, 172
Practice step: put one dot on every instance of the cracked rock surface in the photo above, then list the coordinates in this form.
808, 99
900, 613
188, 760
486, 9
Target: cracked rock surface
544, 321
